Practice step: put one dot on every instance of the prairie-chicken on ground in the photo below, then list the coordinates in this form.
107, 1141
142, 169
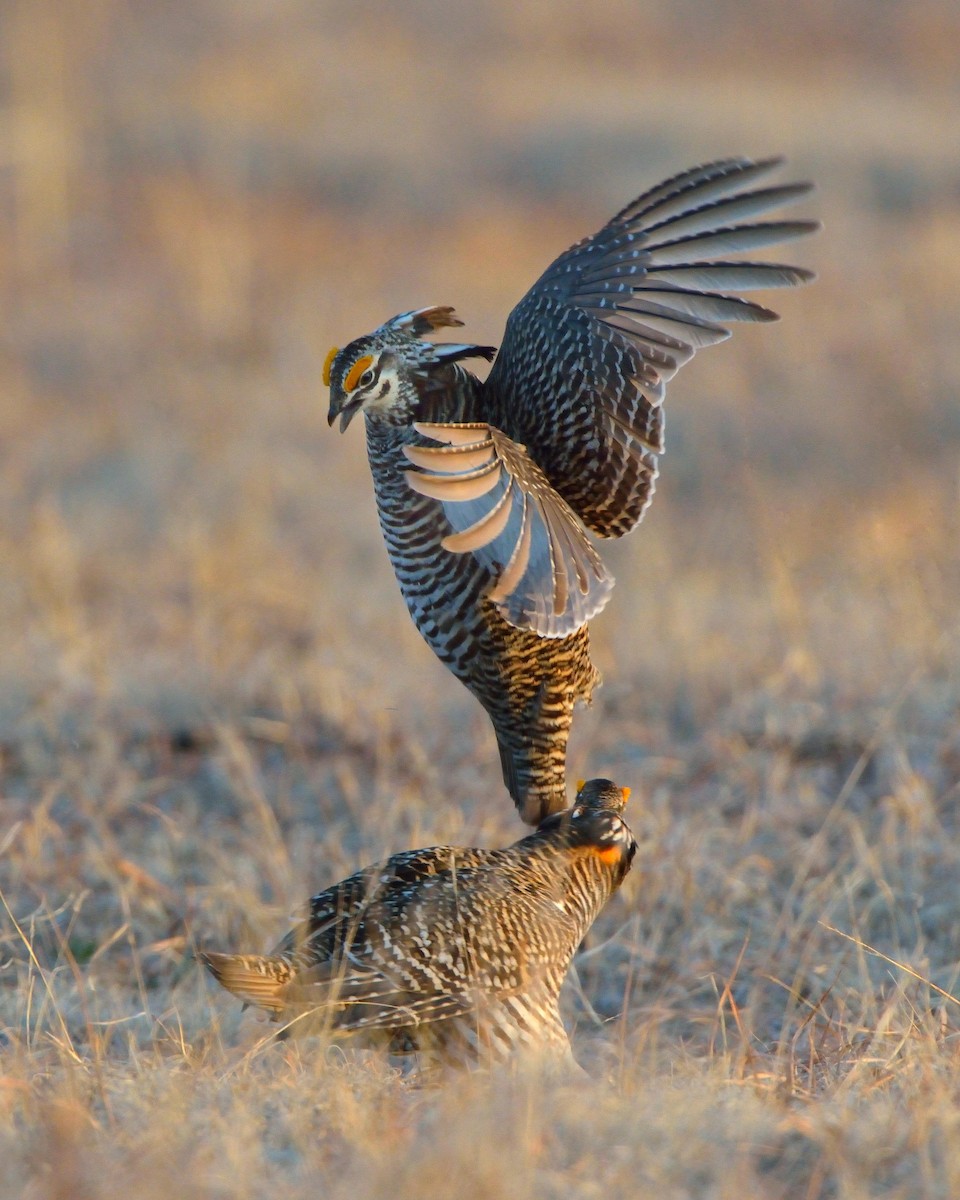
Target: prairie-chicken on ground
486, 489
455, 953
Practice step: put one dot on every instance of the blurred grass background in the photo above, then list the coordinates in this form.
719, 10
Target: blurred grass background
212, 701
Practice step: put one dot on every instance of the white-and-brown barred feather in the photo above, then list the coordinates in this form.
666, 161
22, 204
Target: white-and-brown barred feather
452, 951
487, 490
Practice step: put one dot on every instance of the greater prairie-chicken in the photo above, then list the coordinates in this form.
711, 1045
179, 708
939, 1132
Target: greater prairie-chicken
456, 953
486, 489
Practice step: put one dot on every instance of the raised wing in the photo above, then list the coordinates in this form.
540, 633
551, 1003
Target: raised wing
580, 376
547, 575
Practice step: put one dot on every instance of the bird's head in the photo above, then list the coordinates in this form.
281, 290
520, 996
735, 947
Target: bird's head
600, 795
387, 374
595, 824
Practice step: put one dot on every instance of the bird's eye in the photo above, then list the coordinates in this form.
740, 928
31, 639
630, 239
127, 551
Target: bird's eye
360, 373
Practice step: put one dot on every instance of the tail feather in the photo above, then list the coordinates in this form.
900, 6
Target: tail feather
252, 978
536, 783
533, 744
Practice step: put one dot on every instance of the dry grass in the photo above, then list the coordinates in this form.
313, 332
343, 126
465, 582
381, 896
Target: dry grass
212, 701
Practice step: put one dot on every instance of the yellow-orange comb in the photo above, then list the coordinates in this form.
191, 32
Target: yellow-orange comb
356, 371
580, 784
328, 363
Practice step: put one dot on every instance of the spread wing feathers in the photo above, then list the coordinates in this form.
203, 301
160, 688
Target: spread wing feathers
586, 353
547, 576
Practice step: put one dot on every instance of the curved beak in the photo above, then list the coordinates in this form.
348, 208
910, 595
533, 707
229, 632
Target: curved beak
346, 412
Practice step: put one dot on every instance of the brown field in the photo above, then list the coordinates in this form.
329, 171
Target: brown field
212, 701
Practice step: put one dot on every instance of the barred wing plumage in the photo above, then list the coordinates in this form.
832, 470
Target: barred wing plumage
547, 575
587, 352
488, 490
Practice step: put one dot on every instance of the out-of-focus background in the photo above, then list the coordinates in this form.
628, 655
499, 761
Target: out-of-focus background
211, 698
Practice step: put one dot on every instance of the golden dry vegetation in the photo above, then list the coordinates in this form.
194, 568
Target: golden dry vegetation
212, 701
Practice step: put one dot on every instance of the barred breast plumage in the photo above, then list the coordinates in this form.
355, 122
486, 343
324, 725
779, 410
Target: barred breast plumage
486, 490
452, 952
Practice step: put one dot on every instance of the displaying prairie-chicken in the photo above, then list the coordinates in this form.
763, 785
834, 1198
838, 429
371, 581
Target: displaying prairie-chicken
486, 490
456, 953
